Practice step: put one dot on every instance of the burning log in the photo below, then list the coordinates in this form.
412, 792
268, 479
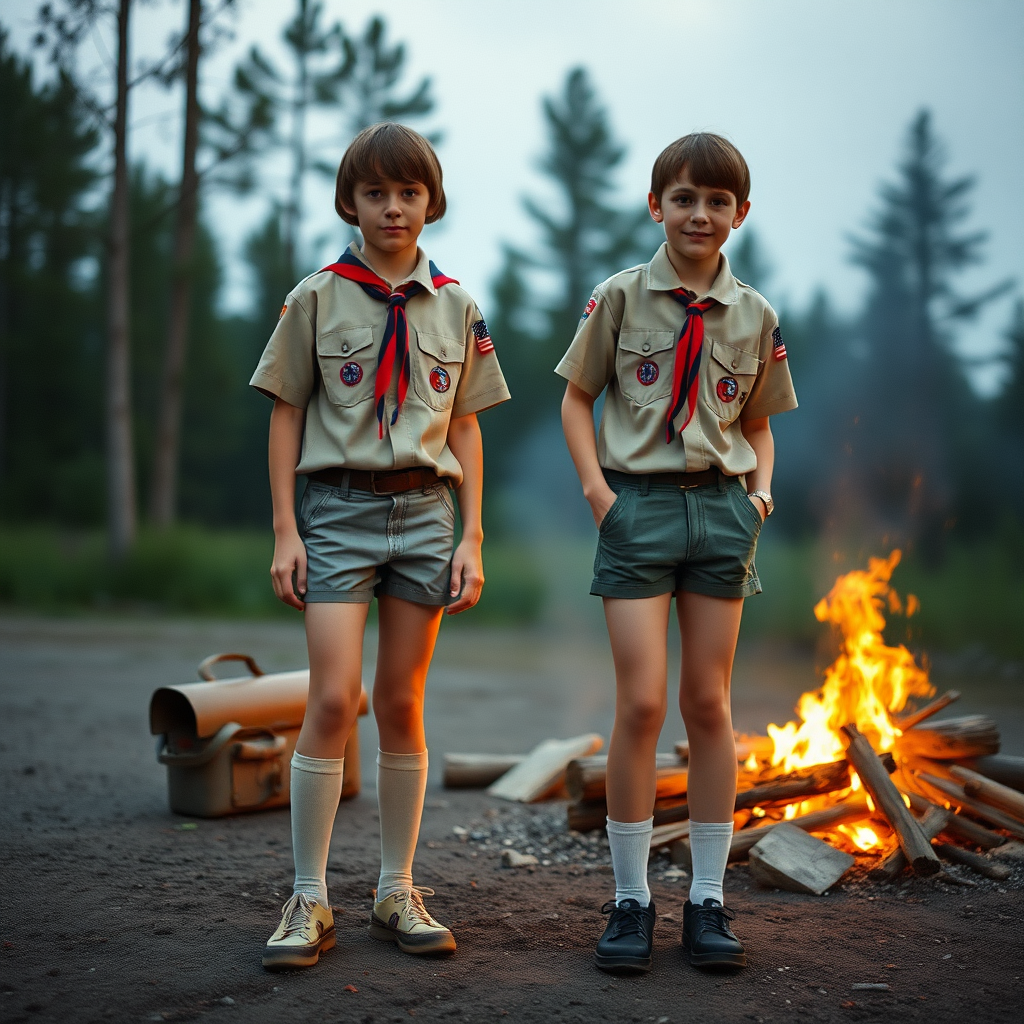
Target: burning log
962, 828
974, 861
1004, 768
585, 777
543, 768
788, 858
955, 792
952, 740
760, 746
476, 771
905, 722
919, 853
1002, 797
933, 822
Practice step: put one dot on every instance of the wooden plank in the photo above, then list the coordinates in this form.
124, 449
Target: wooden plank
476, 771
788, 858
543, 768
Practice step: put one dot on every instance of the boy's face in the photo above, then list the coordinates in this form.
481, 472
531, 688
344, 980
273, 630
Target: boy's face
391, 214
697, 218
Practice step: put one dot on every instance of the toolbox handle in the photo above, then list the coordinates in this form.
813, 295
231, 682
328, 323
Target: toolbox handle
205, 669
200, 757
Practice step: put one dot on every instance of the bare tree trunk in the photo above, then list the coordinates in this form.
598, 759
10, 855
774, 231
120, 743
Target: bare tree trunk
164, 497
121, 513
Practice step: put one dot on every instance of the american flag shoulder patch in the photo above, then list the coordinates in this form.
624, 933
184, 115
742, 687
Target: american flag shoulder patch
778, 345
483, 337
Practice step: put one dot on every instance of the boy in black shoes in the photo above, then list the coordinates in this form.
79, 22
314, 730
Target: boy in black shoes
678, 478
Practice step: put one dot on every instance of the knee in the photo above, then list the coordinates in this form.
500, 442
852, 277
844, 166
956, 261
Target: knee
642, 715
709, 713
402, 711
333, 713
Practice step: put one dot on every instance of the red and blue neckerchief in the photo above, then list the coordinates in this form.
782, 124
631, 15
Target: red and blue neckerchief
686, 367
394, 348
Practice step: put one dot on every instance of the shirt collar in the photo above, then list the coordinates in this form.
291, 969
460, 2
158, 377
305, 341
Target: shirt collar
421, 272
662, 277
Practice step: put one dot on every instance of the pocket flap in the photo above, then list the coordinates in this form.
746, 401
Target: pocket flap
443, 349
733, 359
344, 342
643, 342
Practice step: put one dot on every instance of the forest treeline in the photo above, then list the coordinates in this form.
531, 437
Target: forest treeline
110, 278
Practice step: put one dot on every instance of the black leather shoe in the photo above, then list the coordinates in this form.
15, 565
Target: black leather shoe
627, 941
708, 941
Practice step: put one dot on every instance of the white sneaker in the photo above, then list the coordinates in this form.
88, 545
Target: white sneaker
403, 919
306, 930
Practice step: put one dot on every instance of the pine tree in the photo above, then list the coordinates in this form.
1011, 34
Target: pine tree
914, 404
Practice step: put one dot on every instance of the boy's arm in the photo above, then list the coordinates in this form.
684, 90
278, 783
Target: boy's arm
758, 435
286, 425
578, 426
467, 563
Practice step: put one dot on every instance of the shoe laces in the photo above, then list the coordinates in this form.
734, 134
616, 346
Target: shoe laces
716, 917
298, 912
416, 907
625, 920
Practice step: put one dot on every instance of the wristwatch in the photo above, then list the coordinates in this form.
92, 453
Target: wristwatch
769, 505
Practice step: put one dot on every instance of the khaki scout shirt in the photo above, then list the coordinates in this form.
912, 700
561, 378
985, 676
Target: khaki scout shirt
322, 357
626, 343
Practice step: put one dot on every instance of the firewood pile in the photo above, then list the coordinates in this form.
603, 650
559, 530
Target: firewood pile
869, 777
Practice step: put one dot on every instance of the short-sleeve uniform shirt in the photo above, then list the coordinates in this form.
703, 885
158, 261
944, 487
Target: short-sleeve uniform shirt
322, 357
626, 343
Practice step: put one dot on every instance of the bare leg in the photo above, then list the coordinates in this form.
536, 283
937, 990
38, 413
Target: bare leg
334, 637
638, 630
408, 632
709, 627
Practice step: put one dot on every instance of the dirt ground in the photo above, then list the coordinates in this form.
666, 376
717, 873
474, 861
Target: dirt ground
111, 910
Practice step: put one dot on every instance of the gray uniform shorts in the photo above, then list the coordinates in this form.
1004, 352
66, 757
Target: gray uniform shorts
659, 538
360, 545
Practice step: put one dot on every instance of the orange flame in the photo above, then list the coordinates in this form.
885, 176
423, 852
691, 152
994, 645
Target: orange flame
867, 683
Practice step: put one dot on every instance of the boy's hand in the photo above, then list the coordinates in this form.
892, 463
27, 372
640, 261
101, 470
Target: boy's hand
600, 503
467, 576
288, 570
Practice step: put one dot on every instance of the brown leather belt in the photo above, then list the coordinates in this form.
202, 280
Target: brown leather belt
390, 481
684, 480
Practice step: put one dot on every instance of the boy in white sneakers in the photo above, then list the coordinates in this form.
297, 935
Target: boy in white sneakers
692, 364
378, 367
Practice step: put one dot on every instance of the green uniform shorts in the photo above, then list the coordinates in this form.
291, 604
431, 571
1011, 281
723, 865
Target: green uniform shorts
360, 545
659, 538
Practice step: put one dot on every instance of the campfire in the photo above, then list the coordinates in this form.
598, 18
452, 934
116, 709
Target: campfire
864, 775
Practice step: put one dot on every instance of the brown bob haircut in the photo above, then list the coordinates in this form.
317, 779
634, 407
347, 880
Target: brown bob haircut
711, 162
389, 150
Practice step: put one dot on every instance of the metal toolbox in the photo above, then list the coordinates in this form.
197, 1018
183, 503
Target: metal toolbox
228, 743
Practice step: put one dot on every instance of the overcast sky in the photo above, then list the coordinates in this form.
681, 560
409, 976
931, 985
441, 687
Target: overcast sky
817, 94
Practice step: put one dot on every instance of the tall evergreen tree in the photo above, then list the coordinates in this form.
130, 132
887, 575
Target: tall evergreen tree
914, 406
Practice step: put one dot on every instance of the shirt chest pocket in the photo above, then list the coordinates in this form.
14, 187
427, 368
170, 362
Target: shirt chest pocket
347, 361
436, 368
730, 375
643, 364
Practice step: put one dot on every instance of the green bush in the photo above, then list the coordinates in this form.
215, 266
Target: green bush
197, 571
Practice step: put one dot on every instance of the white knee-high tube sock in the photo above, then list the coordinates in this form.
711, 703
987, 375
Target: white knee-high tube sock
315, 792
630, 843
709, 847
401, 785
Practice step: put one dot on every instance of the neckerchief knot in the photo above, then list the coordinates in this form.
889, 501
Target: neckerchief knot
686, 365
394, 347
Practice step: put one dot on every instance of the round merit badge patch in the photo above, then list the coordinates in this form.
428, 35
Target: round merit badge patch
647, 373
727, 389
351, 374
439, 380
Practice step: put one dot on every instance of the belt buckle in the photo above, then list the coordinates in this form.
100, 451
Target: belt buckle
373, 483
